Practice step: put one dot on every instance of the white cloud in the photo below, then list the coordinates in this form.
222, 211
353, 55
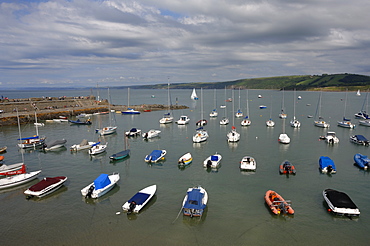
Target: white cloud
85, 42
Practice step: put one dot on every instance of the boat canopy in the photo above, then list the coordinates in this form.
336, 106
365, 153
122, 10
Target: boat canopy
34, 137
326, 161
155, 154
133, 130
46, 182
55, 142
340, 199
95, 144
214, 158
101, 181
361, 138
139, 198
194, 200
200, 128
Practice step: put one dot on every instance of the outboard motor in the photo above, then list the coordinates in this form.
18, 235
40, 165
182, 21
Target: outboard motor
209, 163
330, 168
90, 191
131, 207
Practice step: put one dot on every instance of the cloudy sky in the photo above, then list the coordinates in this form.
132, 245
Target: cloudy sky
122, 42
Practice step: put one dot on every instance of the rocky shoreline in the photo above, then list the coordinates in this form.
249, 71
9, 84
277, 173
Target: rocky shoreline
52, 108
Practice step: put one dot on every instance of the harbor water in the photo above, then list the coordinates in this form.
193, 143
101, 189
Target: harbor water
236, 213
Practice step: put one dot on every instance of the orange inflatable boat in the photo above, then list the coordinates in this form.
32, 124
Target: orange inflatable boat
277, 204
1, 157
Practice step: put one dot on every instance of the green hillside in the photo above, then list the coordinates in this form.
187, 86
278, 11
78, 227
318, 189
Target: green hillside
300, 82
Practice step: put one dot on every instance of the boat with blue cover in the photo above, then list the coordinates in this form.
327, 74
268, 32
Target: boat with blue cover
359, 139
212, 161
100, 186
327, 165
139, 200
155, 156
362, 161
195, 201
80, 122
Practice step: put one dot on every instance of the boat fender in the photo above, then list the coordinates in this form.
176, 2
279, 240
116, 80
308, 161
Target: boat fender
90, 191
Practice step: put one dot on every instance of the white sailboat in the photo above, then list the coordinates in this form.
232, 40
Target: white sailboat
358, 93
294, 122
167, 118
363, 113
224, 120
111, 128
246, 121
283, 137
239, 113
129, 110
282, 114
365, 117
346, 123
233, 135
320, 121
270, 122
214, 112
194, 95
201, 135
34, 141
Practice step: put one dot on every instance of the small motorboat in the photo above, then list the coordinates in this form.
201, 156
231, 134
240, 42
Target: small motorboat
224, 121
277, 204
13, 169
362, 161
139, 200
183, 120
185, 159
359, 139
107, 130
100, 186
331, 138
284, 138
201, 122
120, 155
340, 203
18, 179
155, 156
286, 168
195, 201
80, 122
98, 148
83, 145
151, 134
262, 106
45, 186
54, 144
212, 161
248, 163
326, 165
3, 149
134, 132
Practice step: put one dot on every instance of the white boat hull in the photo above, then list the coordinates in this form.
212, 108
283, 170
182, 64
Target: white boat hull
210, 163
248, 163
47, 190
114, 178
149, 191
18, 179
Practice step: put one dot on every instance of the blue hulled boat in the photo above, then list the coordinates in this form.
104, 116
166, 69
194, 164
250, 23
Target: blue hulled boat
362, 161
327, 165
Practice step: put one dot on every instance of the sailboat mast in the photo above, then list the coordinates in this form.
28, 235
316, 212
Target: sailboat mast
233, 107
37, 128
168, 96
20, 135
201, 104
128, 98
247, 103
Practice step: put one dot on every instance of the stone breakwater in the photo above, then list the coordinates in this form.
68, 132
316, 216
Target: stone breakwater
51, 108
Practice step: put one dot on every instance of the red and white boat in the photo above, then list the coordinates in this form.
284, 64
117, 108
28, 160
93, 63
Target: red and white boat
45, 186
18, 168
18, 179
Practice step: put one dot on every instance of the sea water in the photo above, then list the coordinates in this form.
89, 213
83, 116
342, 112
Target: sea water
236, 213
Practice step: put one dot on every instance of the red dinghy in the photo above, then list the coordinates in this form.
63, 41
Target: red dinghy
45, 186
277, 203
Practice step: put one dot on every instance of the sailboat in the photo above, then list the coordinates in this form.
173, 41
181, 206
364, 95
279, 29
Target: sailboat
365, 116
224, 120
194, 95
109, 129
358, 93
202, 121
294, 122
283, 137
283, 115
363, 113
129, 110
233, 135
346, 122
270, 122
167, 118
320, 121
122, 154
201, 135
246, 121
214, 112
34, 141
239, 113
